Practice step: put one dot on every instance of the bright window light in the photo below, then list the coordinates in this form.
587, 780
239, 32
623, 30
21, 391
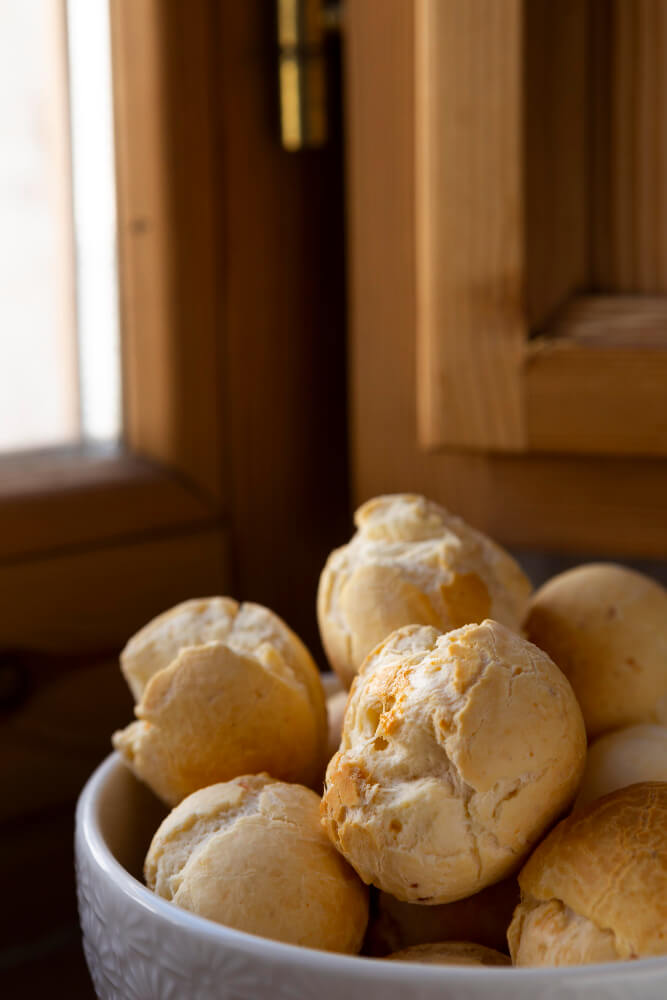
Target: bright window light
94, 218
59, 338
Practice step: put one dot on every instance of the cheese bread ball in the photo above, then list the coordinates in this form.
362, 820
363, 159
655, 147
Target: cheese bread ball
458, 751
253, 702
622, 758
482, 918
595, 890
411, 562
451, 953
606, 628
251, 853
243, 627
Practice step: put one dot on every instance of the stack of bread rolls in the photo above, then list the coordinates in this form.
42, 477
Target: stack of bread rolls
453, 778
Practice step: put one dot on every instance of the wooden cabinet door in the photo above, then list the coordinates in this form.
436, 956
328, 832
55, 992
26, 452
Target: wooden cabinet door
507, 218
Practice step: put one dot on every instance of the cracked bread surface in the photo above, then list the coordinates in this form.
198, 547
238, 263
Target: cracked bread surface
458, 751
251, 853
243, 627
550, 933
411, 561
253, 702
596, 888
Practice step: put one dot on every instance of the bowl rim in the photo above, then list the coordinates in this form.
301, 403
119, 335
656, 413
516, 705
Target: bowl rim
89, 838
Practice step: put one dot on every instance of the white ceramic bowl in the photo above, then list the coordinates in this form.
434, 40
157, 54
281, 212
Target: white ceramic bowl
140, 947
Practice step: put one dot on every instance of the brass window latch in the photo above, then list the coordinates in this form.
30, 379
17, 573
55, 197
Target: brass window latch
302, 29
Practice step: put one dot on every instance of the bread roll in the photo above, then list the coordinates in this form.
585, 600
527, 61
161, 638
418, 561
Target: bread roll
242, 627
621, 758
606, 628
251, 853
411, 562
482, 918
251, 703
458, 751
550, 933
595, 889
450, 953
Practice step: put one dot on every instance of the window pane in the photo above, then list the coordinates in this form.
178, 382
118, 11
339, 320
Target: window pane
58, 288
94, 217
39, 400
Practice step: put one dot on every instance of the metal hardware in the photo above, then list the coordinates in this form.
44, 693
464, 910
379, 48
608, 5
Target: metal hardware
302, 29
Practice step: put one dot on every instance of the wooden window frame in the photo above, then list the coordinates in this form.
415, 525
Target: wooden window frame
508, 393
232, 474
232, 477
93, 540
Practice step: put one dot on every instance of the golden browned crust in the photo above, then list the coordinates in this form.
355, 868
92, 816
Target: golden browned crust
552, 934
243, 627
411, 562
450, 953
250, 853
605, 626
458, 750
608, 865
253, 702
190, 623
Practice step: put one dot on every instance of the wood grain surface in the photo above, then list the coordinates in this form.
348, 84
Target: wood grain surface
596, 380
561, 502
284, 330
165, 105
60, 499
95, 599
556, 122
469, 215
629, 151
530, 138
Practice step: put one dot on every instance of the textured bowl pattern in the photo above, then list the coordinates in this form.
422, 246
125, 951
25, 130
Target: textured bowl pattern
140, 947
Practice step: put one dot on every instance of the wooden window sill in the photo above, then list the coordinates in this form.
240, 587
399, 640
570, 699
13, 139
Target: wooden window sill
67, 498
